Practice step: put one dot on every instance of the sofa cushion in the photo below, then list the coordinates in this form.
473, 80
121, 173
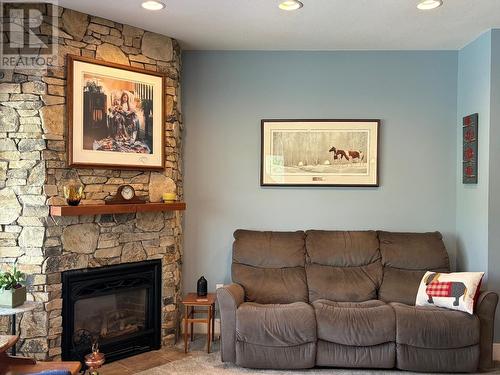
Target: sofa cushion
413, 251
433, 339
400, 285
270, 266
276, 357
343, 284
342, 265
405, 258
342, 248
411, 358
269, 249
336, 355
271, 285
275, 325
435, 327
355, 323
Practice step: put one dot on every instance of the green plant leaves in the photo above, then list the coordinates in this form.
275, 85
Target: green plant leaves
11, 280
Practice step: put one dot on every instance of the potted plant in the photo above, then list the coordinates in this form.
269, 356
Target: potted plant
12, 292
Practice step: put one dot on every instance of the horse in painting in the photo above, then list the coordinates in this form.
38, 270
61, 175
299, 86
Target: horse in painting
348, 155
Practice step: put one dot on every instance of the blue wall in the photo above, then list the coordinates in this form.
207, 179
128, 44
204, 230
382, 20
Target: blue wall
474, 69
478, 206
226, 94
494, 175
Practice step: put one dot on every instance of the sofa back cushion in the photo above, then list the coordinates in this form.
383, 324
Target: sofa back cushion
270, 266
405, 258
343, 266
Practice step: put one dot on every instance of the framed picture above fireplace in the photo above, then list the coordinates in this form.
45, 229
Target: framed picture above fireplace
115, 115
319, 152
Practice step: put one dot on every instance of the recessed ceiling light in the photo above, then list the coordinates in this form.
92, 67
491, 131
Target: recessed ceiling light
429, 4
291, 5
152, 5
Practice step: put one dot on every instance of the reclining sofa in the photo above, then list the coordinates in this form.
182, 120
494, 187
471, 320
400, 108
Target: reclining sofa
346, 299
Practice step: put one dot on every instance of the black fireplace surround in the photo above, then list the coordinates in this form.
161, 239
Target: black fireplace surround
117, 306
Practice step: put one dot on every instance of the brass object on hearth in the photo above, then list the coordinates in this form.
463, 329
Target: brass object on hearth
95, 359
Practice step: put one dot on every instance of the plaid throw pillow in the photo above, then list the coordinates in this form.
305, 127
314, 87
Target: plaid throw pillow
439, 289
457, 291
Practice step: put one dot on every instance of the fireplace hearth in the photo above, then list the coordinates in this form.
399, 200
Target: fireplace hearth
117, 306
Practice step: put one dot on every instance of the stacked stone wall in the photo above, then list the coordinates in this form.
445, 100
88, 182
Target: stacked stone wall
33, 168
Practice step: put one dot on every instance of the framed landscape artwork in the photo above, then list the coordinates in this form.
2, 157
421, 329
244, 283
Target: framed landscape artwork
115, 115
319, 152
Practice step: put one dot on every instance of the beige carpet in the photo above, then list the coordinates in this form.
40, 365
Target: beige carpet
210, 364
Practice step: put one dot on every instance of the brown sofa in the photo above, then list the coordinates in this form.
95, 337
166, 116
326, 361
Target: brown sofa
346, 299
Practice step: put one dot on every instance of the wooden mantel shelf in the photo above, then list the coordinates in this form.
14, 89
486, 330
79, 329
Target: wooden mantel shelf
101, 209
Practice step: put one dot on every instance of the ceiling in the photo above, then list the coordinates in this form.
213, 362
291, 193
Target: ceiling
319, 25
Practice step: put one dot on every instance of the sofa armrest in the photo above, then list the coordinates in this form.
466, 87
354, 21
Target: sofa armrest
229, 298
485, 310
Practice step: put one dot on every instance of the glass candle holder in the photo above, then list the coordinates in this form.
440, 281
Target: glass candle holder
73, 192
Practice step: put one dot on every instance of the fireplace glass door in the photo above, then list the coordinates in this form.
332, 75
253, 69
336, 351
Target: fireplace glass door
111, 316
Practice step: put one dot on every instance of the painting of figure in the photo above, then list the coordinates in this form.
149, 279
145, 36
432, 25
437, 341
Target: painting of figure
117, 115
319, 152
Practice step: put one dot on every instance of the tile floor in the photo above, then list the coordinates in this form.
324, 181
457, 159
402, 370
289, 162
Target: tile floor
145, 361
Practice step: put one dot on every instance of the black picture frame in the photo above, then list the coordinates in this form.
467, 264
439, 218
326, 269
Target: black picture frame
374, 180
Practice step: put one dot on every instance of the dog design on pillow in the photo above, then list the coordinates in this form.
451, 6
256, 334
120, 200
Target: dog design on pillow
435, 288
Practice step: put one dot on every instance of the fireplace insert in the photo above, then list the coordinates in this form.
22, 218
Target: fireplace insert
119, 307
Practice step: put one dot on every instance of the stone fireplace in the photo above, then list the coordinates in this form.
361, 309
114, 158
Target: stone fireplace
33, 165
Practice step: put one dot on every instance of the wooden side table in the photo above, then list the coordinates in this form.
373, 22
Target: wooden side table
192, 303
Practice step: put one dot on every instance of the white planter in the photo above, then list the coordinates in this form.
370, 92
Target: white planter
12, 297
